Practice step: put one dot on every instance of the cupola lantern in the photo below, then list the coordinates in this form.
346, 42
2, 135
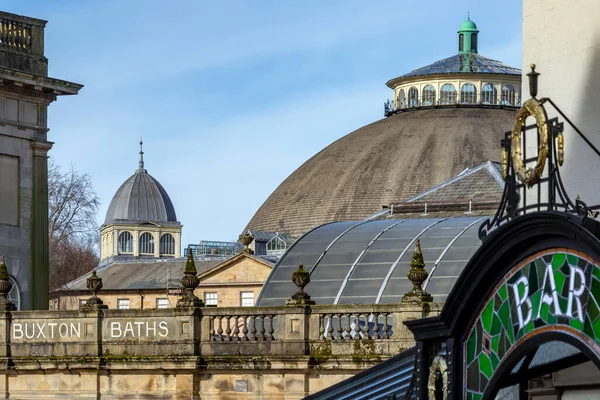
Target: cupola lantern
467, 37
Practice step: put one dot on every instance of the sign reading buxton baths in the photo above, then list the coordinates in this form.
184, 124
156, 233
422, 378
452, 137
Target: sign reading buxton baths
52, 329
554, 290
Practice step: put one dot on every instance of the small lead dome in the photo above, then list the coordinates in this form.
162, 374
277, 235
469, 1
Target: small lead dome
141, 198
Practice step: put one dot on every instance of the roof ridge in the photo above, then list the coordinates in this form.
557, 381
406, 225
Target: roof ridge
462, 175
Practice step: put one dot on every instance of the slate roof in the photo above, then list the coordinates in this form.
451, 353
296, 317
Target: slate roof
146, 274
483, 183
474, 62
393, 159
140, 198
141, 274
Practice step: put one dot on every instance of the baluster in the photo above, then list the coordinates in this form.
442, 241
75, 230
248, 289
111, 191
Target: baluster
2, 32
338, 328
261, 328
245, 328
236, 330
366, 328
252, 322
211, 331
271, 329
228, 327
321, 327
356, 326
376, 326
347, 330
220, 329
330, 327
385, 326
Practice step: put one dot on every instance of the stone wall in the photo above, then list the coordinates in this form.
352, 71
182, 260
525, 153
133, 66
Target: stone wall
562, 37
218, 353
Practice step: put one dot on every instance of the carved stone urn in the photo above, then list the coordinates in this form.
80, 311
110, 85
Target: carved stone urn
189, 282
94, 303
246, 239
417, 275
5, 287
301, 278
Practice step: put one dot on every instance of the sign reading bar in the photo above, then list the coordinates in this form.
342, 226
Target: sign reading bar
553, 290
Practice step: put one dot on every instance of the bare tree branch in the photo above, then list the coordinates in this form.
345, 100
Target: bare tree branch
72, 227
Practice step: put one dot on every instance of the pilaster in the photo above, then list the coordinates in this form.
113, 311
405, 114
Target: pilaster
39, 228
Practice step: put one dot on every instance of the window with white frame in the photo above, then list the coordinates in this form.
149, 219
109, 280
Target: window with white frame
448, 94
247, 299
123, 304
162, 303
125, 242
167, 244
210, 298
147, 243
428, 95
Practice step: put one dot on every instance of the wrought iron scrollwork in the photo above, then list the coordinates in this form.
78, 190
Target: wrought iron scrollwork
546, 193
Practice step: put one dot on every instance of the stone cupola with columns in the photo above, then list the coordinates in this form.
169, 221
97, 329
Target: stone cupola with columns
464, 79
141, 220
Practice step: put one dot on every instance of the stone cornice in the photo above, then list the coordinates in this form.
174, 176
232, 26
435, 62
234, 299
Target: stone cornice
38, 83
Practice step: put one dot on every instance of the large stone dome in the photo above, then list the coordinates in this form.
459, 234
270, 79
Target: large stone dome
389, 160
141, 198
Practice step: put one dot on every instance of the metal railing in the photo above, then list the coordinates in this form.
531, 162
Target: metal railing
392, 107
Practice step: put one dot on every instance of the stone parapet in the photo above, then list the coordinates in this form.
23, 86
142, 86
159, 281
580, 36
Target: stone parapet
220, 352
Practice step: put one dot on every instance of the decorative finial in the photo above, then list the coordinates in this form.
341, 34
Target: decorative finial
417, 275
468, 15
533, 81
246, 239
301, 278
141, 155
5, 287
94, 303
189, 282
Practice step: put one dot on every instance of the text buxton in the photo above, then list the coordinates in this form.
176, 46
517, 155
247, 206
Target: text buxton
51, 330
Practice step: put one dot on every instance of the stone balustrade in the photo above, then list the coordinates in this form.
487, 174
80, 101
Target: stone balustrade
22, 44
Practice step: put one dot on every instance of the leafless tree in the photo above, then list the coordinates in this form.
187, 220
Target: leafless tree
72, 226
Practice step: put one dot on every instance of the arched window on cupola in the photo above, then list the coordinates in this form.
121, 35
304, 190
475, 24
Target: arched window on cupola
167, 244
468, 94
402, 99
489, 94
448, 94
413, 97
125, 242
428, 95
508, 95
146, 243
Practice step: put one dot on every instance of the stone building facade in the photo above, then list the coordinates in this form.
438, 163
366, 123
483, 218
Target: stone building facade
26, 91
152, 284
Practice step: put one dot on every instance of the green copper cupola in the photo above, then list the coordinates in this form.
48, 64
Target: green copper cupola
467, 37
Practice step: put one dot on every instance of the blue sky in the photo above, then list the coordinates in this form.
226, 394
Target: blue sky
232, 96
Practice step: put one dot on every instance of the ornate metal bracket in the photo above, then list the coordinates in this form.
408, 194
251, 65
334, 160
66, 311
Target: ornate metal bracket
546, 193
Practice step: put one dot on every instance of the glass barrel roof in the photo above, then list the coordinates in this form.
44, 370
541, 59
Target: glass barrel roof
366, 262
476, 63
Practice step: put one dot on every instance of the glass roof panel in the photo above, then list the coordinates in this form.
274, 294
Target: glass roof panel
452, 65
351, 260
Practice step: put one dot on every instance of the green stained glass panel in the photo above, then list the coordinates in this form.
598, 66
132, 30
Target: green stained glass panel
577, 324
596, 273
559, 280
471, 346
496, 325
495, 343
485, 365
571, 259
486, 316
558, 260
502, 292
